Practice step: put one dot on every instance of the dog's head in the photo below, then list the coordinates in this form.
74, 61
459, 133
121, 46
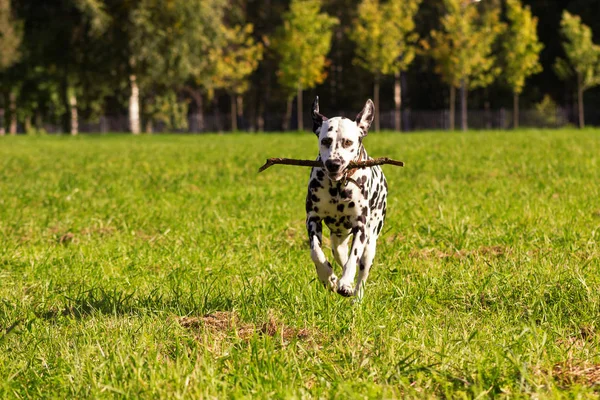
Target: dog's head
340, 139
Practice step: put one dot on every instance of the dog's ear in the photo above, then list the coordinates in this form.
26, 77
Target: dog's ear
365, 117
317, 117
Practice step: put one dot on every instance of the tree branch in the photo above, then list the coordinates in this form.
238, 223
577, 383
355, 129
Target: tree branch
314, 163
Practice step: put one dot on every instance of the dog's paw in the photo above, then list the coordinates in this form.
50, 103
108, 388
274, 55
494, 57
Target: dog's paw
345, 289
331, 283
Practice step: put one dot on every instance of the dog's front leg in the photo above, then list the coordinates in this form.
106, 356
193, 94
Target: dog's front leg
346, 282
314, 226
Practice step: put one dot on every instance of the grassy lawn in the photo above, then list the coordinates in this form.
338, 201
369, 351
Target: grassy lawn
165, 266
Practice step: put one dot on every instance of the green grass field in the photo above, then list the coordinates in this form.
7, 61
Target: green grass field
166, 267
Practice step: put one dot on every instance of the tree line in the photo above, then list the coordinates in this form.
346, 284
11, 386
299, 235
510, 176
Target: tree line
161, 60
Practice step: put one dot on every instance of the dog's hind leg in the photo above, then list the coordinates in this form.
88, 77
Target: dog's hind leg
314, 227
339, 247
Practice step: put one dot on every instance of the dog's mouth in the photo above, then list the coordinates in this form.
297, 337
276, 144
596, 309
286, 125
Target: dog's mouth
336, 176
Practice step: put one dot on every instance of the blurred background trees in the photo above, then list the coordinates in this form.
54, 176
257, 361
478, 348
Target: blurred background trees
170, 64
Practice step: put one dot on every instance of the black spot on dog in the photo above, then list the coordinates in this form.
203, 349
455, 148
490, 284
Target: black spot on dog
330, 129
333, 192
347, 224
365, 211
315, 184
316, 209
309, 204
362, 266
340, 207
320, 175
351, 205
363, 237
315, 198
379, 227
346, 194
355, 252
329, 220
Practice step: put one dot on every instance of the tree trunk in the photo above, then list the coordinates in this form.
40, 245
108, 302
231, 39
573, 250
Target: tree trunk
452, 106
515, 110
299, 108
288, 114
134, 106
580, 102
2, 129
13, 113
376, 101
199, 111
27, 125
397, 102
74, 115
239, 102
463, 106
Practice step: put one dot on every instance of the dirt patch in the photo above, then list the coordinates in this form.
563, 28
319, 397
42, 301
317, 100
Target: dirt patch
66, 238
568, 374
224, 323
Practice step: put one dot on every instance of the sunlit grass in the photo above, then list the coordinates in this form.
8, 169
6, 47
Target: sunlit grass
486, 280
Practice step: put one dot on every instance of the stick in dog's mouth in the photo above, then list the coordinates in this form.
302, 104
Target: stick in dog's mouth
314, 163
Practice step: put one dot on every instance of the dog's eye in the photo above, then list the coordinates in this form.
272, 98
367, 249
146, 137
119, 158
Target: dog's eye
347, 143
326, 142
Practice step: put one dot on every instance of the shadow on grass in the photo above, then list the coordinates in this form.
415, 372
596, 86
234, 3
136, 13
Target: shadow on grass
113, 301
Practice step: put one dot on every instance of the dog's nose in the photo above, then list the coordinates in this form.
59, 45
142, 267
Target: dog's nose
332, 166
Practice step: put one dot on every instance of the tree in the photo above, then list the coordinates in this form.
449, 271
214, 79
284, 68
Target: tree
202, 40
463, 50
302, 43
10, 42
385, 43
521, 51
583, 56
235, 61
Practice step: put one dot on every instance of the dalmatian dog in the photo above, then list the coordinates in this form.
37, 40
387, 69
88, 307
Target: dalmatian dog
351, 202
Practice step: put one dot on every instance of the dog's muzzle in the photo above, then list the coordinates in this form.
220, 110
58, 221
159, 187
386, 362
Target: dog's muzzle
334, 169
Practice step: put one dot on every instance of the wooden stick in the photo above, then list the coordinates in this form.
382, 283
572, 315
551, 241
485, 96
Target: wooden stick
314, 163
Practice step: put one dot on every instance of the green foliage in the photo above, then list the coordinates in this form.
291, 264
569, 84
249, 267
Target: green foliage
236, 58
302, 44
582, 54
384, 35
521, 46
463, 48
546, 112
485, 282
169, 110
10, 36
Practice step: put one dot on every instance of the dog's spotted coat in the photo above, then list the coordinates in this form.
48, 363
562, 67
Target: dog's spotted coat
352, 203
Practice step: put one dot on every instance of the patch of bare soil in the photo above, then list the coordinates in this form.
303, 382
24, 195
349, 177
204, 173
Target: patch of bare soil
224, 323
574, 370
570, 373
